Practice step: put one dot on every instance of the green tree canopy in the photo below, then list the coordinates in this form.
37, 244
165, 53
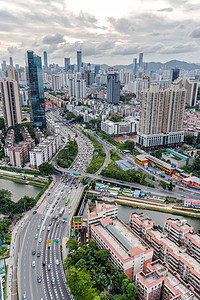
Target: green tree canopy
46, 169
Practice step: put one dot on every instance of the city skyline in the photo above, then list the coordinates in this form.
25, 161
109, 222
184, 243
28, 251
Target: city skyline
109, 33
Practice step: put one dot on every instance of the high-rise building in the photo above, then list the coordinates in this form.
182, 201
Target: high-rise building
45, 59
11, 62
89, 77
11, 99
134, 65
191, 85
175, 73
113, 88
67, 64
3, 67
56, 82
141, 60
96, 70
161, 120
79, 60
36, 89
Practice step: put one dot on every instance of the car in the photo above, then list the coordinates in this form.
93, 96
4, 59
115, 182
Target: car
70, 206
38, 227
48, 194
48, 267
53, 281
49, 228
43, 263
58, 208
40, 240
53, 206
33, 251
24, 297
51, 211
33, 264
53, 216
42, 217
38, 254
50, 223
47, 208
39, 279
51, 201
36, 236
35, 212
69, 212
43, 228
56, 202
49, 246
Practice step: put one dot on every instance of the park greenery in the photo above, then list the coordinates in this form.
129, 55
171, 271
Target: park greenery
158, 153
46, 169
91, 276
98, 155
67, 155
114, 156
114, 171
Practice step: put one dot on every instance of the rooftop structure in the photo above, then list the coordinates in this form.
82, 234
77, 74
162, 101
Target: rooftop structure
127, 251
177, 229
160, 282
140, 223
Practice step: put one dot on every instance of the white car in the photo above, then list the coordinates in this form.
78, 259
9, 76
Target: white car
57, 262
33, 264
43, 228
40, 240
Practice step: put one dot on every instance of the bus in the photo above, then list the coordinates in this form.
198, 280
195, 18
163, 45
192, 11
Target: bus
61, 212
66, 202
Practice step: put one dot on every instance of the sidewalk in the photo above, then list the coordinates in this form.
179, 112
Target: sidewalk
65, 250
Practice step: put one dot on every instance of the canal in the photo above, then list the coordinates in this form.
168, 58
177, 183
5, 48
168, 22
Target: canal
158, 217
19, 190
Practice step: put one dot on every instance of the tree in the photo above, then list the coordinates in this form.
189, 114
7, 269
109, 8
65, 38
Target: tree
46, 169
190, 139
128, 288
170, 186
129, 145
81, 285
72, 244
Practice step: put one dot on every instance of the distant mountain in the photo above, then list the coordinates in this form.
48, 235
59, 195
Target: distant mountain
154, 66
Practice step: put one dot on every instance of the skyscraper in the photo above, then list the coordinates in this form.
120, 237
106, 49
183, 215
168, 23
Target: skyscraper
191, 85
161, 120
45, 59
96, 70
67, 64
79, 60
11, 97
175, 73
11, 62
134, 65
141, 60
36, 89
113, 88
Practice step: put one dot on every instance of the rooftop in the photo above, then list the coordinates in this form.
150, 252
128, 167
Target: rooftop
122, 239
178, 251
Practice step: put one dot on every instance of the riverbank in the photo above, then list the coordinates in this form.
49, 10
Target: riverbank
150, 204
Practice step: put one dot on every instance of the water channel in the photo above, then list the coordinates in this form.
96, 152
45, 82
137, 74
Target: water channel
158, 217
19, 190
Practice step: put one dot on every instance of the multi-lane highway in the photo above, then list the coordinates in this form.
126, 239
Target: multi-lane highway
40, 270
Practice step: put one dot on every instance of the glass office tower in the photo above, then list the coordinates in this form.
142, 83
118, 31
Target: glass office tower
36, 89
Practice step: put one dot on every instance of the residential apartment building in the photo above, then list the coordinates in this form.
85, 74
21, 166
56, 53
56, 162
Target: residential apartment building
99, 210
127, 252
177, 229
192, 244
160, 283
45, 151
191, 85
19, 154
176, 257
140, 223
11, 98
161, 120
9, 141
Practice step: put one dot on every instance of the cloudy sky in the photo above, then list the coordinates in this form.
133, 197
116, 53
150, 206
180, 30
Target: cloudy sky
107, 31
